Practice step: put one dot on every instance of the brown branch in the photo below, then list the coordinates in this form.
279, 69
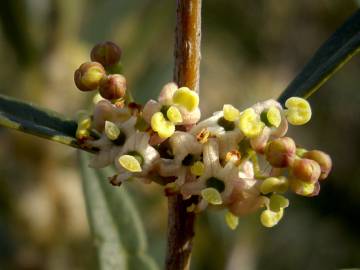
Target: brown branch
187, 43
186, 73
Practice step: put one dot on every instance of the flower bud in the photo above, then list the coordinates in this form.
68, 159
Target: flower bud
280, 152
106, 53
88, 76
306, 170
322, 159
113, 87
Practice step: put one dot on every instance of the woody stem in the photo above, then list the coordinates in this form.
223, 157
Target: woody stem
181, 223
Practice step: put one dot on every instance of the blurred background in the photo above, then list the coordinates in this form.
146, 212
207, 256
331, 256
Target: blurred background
251, 50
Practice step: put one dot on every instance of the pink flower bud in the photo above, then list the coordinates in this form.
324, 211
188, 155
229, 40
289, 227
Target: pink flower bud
280, 152
88, 76
106, 53
113, 87
322, 159
306, 170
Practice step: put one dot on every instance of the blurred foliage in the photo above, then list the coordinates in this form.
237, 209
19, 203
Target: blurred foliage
117, 230
250, 50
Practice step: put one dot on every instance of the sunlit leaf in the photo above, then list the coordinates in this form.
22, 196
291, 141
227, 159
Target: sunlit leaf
116, 226
328, 59
31, 119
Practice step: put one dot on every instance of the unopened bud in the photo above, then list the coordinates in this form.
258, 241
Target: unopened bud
306, 170
280, 152
88, 76
113, 87
322, 159
106, 53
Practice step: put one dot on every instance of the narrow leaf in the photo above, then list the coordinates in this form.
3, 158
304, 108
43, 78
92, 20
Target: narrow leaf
111, 254
328, 59
31, 119
120, 213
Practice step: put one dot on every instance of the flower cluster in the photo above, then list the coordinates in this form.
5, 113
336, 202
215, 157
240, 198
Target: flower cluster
239, 160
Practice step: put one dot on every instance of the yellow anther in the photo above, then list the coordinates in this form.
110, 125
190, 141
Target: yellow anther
230, 113
163, 127
82, 133
273, 184
231, 220
84, 125
250, 123
299, 111
269, 218
274, 116
278, 202
130, 163
111, 130
174, 115
211, 195
186, 98
197, 168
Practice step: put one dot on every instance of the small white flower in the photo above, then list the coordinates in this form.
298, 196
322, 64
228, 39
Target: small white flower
226, 132
220, 179
186, 149
136, 157
106, 111
175, 106
108, 149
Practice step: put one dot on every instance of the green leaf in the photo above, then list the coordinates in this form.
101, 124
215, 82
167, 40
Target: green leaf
116, 226
328, 59
31, 119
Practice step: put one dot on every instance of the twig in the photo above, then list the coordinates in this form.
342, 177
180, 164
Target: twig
187, 43
186, 73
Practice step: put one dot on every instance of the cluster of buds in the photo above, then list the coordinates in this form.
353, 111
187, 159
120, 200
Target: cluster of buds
239, 160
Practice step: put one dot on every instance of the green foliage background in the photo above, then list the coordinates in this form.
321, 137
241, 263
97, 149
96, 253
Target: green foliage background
251, 50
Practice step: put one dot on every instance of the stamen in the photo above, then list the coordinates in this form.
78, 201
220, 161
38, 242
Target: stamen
187, 98
250, 123
231, 220
130, 163
211, 195
230, 113
299, 111
197, 168
111, 130
269, 218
